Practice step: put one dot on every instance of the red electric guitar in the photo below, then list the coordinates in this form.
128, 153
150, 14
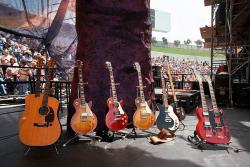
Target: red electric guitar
116, 119
211, 126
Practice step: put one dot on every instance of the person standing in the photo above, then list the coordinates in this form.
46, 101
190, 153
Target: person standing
23, 75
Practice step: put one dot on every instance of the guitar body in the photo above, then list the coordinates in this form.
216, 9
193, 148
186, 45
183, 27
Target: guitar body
36, 129
167, 118
116, 119
220, 135
84, 120
143, 117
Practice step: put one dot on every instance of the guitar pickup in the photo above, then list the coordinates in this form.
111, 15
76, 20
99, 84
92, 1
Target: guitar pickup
207, 124
219, 125
84, 114
117, 119
205, 113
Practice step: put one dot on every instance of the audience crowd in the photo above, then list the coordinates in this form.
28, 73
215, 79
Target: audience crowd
182, 69
15, 54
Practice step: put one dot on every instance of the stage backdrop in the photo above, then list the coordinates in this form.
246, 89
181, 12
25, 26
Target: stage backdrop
119, 32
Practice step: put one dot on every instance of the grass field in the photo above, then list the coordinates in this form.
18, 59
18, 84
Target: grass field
181, 51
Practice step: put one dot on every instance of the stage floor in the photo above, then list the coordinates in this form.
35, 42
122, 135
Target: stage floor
129, 152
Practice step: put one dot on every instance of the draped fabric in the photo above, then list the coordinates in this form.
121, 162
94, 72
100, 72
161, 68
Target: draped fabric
119, 32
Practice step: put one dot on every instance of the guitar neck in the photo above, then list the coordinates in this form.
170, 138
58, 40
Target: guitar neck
38, 83
164, 90
81, 86
214, 104
171, 83
47, 89
203, 99
141, 87
113, 89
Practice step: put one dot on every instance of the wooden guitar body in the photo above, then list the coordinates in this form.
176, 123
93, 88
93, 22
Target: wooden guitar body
167, 118
36, 127
143, 117
210, 129
84, 120
116, 119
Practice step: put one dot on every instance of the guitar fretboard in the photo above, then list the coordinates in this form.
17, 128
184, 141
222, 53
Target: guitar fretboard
81, 84
38, 82
47, 89
215, 107
203, 99
141, 86
164, 90
171, 81
112, 82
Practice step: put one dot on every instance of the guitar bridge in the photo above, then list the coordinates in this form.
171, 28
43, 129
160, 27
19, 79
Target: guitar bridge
42, 124
220, 137
208, 136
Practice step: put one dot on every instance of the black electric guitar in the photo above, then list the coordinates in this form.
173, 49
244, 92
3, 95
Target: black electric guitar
166, 118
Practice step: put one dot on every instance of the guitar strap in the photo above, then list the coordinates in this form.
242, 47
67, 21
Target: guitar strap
163, 136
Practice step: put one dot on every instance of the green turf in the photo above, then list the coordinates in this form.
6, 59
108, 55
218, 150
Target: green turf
193, 52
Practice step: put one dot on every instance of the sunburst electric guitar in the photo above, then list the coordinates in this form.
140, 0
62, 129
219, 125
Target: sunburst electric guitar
83, 120
166, 118
116, 119
143, 117
177, 108
39, 124
211, 126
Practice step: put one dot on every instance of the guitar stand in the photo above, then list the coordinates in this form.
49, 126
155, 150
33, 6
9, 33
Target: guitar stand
29, 149
87, 138
195, 140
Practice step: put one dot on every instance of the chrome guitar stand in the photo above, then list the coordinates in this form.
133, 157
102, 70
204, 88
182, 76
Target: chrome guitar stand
85, 137
195, 140
133, 132
28, 149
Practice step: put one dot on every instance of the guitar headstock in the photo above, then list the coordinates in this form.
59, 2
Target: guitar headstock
40, 62
108, 65
137, 66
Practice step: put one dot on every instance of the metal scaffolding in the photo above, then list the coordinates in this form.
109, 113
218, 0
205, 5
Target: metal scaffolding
229, 36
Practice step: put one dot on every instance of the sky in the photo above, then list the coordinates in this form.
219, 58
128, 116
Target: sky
187, 16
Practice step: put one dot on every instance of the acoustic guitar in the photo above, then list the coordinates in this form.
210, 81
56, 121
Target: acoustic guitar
143, 117
177, 108
116, 119
31, 97
166, 118
83, 120
210, 126
39, 124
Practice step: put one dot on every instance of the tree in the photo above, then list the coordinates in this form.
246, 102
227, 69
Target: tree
198, 43
154, 41
187, 42
165, 41
177, 43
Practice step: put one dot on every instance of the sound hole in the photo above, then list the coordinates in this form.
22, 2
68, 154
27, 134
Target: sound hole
43, 110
